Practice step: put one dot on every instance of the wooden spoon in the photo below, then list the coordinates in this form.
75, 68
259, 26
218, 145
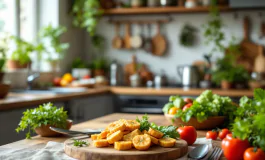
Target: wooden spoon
117, 40
127, 37
159, 43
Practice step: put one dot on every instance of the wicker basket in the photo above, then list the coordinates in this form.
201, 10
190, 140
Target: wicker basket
210, 123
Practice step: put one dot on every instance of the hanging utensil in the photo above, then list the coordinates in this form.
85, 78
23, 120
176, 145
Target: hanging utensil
159, 43
127, 37
117, 40
136, 40
148, 42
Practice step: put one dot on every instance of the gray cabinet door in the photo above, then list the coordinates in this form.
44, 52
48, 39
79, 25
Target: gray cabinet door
9, 121
83, 109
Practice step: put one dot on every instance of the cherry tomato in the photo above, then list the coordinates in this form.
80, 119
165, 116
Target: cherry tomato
234, 148
223, 133
188, 100
57, 81
188, 133
173, 110
212, 135
187, 106
252, 154
86, 77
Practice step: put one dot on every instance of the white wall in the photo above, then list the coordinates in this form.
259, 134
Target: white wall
177, 54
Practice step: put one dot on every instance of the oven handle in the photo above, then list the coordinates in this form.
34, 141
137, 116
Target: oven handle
142, 110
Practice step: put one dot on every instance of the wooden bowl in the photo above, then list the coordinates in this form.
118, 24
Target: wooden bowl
210, 123
45, 130
4, 89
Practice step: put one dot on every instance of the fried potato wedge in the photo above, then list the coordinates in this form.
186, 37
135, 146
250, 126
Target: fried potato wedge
123, 145
114, 137
130, 136
155, 133
167, 142
142, 142
101, 143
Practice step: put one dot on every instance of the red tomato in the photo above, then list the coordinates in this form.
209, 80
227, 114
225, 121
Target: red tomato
57, 81
212, 135
188, 100
234, 148
188, 133
187, 106
86, 77
251, 154
223, 133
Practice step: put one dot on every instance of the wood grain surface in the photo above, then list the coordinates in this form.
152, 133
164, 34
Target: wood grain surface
101, 122
153, 153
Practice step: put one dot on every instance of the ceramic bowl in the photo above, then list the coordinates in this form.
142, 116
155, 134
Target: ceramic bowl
45, 130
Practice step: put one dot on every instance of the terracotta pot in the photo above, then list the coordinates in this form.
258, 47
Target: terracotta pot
13, 64
45, 130
226, 85
99, 72
1, 76
4, 88
210, 123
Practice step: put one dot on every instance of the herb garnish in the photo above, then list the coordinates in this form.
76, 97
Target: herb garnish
80, 143
46, 114
169, 131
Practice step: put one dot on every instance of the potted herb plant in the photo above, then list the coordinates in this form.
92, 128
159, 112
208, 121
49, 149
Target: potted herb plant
41, 118
99, 66
54, 48
3, 49
20, 57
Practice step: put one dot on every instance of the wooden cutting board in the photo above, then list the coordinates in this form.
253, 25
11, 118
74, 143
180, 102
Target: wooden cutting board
159, 43
109, 153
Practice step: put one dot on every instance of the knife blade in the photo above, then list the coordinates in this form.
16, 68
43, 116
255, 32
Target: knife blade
74, 133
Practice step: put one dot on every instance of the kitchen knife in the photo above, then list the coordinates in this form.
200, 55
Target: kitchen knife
74, 133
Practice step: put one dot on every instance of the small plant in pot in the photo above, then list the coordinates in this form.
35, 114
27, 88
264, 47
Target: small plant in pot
54, 48
20, 57
3, 50
40, 119
99, 66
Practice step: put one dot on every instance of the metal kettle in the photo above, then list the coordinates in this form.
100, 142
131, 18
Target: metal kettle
189, 75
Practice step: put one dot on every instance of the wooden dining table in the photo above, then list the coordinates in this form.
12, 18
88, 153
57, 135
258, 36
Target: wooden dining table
101, 122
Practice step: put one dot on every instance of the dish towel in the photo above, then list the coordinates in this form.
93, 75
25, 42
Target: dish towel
54, 151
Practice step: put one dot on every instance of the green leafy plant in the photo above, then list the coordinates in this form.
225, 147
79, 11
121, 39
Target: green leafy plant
213, 33
80, 143
53, 35
22, 51
46, 114
100, 63
169, 131
187, 36
2, 6
87, 14
207, 105
249, 122
79, 63
3, 50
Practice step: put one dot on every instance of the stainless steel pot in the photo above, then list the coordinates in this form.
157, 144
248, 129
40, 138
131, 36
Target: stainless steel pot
189, 75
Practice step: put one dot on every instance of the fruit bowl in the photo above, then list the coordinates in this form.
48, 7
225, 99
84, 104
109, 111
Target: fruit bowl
210, 123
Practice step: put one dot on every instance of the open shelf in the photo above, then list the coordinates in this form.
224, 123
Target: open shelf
160, 10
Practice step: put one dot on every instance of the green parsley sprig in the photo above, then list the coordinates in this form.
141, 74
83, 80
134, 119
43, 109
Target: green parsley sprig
169, 131
80, 143
46, 114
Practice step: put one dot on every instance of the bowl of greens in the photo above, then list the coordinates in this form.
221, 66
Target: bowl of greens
207, 111
40, 119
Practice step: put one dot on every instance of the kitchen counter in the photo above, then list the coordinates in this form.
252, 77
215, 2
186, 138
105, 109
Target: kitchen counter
102, 122
15, 100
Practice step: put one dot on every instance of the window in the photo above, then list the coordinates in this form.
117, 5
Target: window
19, 18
